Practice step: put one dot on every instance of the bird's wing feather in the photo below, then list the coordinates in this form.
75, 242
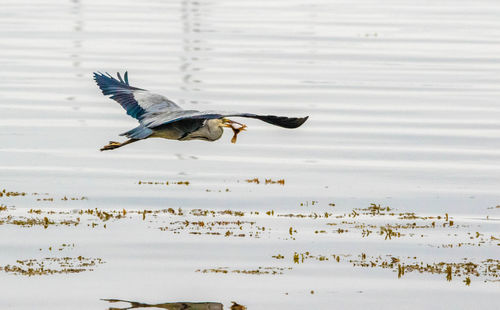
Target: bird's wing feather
282, 121
136, 101
152, 120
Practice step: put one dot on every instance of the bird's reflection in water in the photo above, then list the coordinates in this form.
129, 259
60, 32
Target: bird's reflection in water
175, 305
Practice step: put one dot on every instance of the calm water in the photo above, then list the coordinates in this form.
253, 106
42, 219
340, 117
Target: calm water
404, 112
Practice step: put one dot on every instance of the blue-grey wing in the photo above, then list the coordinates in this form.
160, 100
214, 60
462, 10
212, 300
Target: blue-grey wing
136, 101
152, 120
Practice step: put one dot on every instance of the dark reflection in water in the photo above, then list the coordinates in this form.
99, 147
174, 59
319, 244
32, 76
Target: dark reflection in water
175, 305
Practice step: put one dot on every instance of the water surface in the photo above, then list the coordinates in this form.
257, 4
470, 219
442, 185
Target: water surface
403, 105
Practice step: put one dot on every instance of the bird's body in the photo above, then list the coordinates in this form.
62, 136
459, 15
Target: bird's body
161, 118
209, 130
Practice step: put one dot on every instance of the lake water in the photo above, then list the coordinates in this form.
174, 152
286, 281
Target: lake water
388, 196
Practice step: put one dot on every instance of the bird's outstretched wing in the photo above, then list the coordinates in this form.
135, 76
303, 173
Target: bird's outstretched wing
152, 120
136, 101
153, 110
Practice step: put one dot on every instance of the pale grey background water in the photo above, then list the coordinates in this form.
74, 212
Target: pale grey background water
404, 111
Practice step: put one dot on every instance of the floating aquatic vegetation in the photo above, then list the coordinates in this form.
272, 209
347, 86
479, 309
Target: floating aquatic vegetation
280, 182
213, 213
65, 198
397, 225
313, 215
387, 232
45, 199
374, 221
224, 228
39, 194
360, 220
486, 270
74, 198
96, 217
302, 257
231, 212
254, 180
266, 181
320, 231
45, 221
7, 193
307, 203
52, 265
256, 271
375, 209
163, 183
64, 246
227, 190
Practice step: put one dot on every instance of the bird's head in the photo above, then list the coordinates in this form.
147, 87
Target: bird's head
235, 126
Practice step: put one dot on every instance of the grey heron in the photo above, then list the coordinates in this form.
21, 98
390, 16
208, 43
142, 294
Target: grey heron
160, 117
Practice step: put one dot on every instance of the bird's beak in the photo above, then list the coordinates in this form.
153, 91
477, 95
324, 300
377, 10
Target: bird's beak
231, 124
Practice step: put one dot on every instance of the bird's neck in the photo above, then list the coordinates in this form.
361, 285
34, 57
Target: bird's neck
213, 129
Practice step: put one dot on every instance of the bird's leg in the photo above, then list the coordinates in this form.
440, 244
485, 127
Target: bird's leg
236, 129
114, 145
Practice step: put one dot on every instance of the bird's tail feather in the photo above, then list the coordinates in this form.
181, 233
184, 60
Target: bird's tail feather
139, 132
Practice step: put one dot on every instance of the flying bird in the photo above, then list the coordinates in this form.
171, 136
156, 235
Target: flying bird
159, 117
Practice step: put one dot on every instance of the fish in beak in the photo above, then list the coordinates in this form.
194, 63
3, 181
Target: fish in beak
235, 126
